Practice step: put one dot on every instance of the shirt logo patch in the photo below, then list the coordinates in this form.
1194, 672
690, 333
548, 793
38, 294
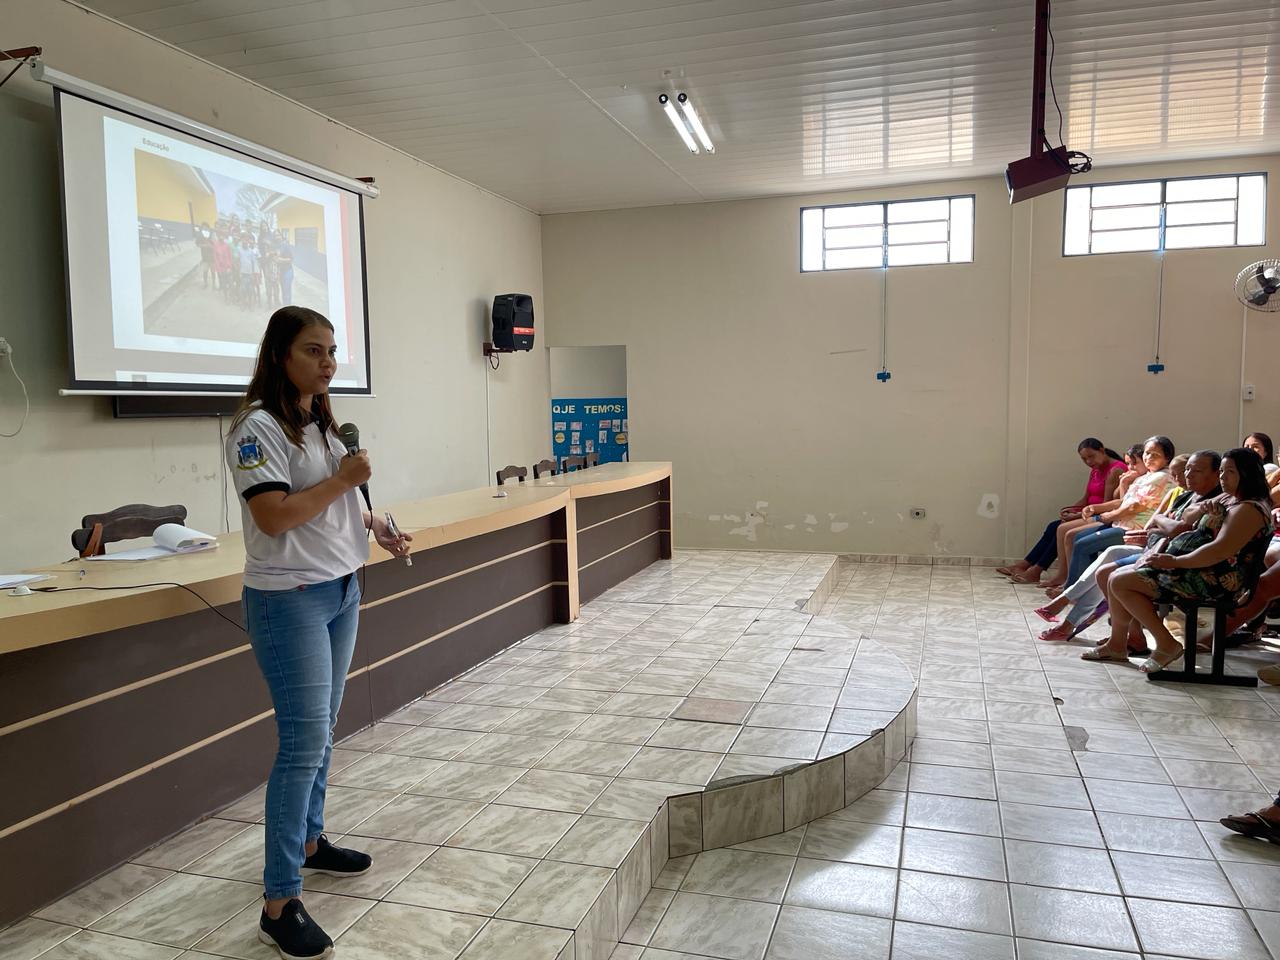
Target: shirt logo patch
251, 455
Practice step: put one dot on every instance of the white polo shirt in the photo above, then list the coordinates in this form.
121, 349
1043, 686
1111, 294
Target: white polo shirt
330, 545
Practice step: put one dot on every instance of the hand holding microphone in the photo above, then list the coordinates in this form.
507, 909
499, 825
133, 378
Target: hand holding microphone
356, 470
355, 466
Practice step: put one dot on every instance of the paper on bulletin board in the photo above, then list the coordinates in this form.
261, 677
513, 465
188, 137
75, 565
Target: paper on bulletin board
590, 424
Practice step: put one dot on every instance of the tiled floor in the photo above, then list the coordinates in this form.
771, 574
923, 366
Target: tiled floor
1052, 809
1076, 830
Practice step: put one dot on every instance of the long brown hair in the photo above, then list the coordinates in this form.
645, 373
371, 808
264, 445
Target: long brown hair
271, 387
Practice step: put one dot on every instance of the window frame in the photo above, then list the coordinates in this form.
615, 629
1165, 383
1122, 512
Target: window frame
1162, 223
885, 224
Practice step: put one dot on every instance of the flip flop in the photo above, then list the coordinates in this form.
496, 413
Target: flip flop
1044, 614
1054, 635
1252, 825
1006, 571
1024, 579
1101, 655
1054, 592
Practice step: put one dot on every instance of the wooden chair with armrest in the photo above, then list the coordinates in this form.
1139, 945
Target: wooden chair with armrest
123, 523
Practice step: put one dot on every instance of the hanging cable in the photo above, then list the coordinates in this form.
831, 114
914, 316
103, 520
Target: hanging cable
26, 397
1155, 366
222, 459
1076, 161
145, 586
883, 375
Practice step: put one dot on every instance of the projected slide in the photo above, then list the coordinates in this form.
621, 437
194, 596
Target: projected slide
242, 251
179, 250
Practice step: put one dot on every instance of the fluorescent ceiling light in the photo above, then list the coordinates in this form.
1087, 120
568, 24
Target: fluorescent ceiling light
695, 122
676, 122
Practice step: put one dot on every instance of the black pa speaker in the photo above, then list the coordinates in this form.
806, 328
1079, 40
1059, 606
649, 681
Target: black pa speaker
513, 321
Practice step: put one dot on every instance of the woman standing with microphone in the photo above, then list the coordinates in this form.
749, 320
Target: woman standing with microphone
305, 537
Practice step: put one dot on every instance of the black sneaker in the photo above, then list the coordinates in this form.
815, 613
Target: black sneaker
295, 934
336, 861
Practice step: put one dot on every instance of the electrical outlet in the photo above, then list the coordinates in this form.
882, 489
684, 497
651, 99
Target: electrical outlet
917, 513
1247, 393
5, 349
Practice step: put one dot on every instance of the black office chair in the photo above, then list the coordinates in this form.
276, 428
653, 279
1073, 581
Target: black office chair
511, 470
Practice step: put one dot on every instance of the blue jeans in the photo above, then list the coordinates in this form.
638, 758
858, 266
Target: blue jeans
1045, 551
303, 639
1087, 546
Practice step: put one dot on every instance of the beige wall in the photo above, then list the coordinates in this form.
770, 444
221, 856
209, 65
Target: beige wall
758, 381
438, 249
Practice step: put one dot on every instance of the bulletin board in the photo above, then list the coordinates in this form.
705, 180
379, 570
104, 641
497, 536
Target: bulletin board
598, 425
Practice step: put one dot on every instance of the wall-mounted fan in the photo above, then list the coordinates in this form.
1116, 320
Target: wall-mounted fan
1258, 286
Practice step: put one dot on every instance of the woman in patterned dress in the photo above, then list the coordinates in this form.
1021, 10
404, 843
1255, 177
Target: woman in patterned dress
1220, 559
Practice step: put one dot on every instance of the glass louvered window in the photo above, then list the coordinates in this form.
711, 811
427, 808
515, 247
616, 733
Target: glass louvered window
1225, 211
886, 234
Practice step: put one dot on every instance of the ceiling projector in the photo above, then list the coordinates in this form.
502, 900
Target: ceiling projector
1038, 174
1046, 168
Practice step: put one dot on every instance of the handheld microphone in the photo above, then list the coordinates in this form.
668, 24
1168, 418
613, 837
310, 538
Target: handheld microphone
349, 434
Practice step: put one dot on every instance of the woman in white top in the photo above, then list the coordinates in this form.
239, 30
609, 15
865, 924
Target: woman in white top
305, 538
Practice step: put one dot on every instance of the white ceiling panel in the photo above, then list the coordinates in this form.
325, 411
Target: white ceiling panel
553, 103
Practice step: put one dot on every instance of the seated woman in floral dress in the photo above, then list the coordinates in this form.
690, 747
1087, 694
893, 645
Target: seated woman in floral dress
1220, 559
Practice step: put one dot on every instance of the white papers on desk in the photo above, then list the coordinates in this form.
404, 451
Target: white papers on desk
8, 580
169, 540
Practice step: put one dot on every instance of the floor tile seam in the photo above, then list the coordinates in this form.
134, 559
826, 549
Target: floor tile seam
137, 939
122, 936
662, 916
786, 888
120, 906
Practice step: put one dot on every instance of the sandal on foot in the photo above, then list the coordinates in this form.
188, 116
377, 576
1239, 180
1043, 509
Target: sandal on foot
1154, 663
1053, 593
1045, 614
1252, 825
1022, 578
1061, 633
1101, 654
1006, 571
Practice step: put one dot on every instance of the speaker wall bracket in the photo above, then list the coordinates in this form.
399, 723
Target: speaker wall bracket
490, 350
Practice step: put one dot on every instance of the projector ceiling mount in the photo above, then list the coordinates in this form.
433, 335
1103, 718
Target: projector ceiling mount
1043, 170
22, 55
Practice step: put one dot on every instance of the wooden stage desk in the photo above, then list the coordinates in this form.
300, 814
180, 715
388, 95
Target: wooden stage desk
127, 715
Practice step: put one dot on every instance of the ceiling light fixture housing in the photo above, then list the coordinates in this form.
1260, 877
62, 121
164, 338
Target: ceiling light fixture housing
695, 122
670, 109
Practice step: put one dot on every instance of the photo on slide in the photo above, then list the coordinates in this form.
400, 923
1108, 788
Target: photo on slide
217, 254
